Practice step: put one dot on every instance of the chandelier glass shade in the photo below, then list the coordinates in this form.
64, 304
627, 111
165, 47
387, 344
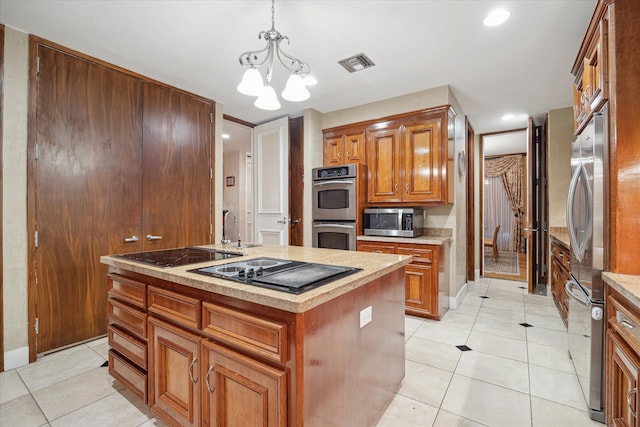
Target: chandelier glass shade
253, 84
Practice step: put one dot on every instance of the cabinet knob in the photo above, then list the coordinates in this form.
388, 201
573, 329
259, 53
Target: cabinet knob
206, 380
193, 362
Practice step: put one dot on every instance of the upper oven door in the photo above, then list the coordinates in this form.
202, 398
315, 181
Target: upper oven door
334, 199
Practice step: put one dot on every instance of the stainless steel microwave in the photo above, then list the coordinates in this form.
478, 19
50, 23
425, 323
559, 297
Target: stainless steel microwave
395, 222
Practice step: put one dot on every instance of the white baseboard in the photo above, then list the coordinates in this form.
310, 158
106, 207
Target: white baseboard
454, 302
16, 358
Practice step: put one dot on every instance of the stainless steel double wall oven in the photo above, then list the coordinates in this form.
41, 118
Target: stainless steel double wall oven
335, 207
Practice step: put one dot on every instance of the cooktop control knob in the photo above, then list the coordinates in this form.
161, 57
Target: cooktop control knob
250, 273
260, 271
241, 273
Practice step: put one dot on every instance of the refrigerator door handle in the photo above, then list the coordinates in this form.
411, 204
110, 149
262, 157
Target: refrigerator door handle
568, 288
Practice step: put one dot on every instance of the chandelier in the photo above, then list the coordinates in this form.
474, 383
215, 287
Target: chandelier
253, 84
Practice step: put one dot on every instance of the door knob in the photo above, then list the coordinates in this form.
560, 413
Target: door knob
294, 221
284, 221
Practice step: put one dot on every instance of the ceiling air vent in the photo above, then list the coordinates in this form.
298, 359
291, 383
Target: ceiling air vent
356, 63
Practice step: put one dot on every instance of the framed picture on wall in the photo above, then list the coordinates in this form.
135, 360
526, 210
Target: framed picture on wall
231, 181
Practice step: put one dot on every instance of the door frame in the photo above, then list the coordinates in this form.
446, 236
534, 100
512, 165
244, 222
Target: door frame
479, 230
1, 194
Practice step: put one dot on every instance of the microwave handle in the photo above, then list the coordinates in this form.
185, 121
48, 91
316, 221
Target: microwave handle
321, 183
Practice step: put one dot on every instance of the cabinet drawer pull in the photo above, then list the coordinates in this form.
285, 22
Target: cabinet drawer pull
131, 239
631, 393
152, 237
624, 321
206, 380
193, 362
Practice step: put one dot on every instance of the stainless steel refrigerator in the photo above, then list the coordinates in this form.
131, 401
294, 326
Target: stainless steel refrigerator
586, 222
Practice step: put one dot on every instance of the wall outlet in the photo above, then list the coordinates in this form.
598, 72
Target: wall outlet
365, 316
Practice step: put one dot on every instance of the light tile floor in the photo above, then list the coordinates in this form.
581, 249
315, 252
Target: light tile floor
513, 375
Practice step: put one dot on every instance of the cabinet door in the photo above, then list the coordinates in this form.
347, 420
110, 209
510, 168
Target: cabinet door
420, 295
332, 151
177, 165
623, 370
87, 191
174, 392
424, 162
240, 391
383, 163
354, 148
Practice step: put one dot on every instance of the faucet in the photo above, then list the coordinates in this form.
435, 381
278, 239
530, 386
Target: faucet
225, 238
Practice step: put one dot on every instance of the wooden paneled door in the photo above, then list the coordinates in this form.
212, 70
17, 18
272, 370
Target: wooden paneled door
87, 177
177, 162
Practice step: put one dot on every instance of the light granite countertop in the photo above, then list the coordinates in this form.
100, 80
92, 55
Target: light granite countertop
561, 235
373, 266
420, 240
627, 285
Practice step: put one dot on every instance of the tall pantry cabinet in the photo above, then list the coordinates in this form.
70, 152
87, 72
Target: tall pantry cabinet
119, 164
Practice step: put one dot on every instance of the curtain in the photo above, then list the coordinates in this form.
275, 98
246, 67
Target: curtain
497, 211
509, 169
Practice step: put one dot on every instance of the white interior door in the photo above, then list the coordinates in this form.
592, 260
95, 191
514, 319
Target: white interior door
271, 183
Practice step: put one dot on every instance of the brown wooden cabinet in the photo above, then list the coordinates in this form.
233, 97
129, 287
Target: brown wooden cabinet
127, 333
422, 291
560, 267
240, 391
622, 361
174, 392
407, 160
343, 148
407, 155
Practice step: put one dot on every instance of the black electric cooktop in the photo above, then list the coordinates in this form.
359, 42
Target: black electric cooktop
293, 277
175, 257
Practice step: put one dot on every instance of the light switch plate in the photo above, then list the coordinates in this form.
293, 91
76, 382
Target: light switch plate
365, 316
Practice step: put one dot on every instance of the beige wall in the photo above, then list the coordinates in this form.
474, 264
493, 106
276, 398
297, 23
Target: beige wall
14, 203
560, 134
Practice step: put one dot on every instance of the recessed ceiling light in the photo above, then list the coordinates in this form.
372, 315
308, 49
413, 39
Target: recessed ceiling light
496, 17
508, 117
226, 136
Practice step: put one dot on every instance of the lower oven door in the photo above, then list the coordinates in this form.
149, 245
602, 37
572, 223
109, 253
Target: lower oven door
334, 235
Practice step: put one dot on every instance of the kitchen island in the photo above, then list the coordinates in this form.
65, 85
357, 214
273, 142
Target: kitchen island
202, 350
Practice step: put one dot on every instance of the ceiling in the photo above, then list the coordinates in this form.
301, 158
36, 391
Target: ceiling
522, 67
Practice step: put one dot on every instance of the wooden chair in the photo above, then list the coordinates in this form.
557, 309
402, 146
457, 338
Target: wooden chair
493, 243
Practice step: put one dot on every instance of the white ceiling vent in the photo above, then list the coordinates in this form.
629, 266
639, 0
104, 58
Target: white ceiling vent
356, 63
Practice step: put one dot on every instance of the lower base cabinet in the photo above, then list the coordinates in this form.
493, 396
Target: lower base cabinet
421, 281
622, 362
239, 391
173, 374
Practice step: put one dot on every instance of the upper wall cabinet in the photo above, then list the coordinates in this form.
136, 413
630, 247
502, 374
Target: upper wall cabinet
342, 148
407, 159
590, 88
406, 156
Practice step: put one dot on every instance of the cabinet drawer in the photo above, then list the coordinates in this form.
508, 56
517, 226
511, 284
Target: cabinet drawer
128, 318
625, 322
381, 249
419, 255
127, 290
130, 376
128, 345
173, 306
264, 337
